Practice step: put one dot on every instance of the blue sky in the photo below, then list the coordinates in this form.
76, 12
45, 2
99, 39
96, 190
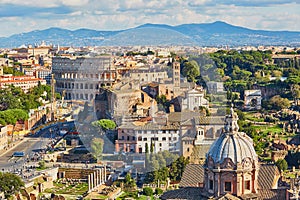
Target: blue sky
19, 16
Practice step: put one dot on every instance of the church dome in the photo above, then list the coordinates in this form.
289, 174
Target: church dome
232, 144
236, 147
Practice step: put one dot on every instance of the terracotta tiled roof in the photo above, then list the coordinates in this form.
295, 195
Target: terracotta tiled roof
182, 116
202, 120
268, 175
193, 176
278, 194
249, 196
187, 193
199, 151
228, 197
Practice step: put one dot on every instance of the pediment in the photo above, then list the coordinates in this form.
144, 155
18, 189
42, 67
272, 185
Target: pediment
227, 164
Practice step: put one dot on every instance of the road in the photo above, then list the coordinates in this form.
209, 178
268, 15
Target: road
29, 145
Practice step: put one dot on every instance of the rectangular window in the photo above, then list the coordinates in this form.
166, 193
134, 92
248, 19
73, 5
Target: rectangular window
145, 139
211, 184
227, 186
247, 185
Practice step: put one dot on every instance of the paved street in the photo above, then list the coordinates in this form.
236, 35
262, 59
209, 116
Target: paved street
30, 146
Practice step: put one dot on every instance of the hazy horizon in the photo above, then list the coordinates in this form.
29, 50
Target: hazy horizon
23, 16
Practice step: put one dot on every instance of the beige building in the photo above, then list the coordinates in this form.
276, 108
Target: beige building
135, 138
24, 82
3, 137
192, 99
198, 134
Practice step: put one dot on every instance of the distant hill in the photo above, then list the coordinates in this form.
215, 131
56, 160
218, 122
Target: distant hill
206, 34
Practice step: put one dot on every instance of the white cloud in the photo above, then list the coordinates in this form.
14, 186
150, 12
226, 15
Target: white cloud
75, 2
121, 14
44, 3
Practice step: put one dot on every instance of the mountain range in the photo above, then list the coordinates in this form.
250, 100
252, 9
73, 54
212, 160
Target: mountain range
205, 34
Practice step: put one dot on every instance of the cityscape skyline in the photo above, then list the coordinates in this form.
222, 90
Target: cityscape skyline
20, 17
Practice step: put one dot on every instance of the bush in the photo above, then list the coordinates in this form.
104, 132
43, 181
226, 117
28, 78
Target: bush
158, 191
147, 191
281, 164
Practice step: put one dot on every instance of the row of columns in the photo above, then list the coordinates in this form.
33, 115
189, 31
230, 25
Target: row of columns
102, 76
79, 86
96, 178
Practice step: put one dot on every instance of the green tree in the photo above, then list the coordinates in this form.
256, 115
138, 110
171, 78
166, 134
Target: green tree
191, 70
281, 164
279, 103
151, 147
163, 103
146, 148
177, 168
10, 184
104, 124
204, 110
148, 191
12, 115
158, 191
11, 70
97, 148
42, 165
129, 183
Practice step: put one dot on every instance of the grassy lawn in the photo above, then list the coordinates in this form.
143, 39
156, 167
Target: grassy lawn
267, 129
250, 116
102, 197
134, 196
143, 197
60, 188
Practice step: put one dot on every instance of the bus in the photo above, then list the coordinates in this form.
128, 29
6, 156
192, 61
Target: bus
18, 154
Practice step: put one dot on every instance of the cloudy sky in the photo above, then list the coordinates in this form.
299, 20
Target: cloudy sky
19, 16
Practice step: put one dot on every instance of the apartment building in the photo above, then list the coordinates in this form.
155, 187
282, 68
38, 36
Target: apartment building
24, 82
135, 138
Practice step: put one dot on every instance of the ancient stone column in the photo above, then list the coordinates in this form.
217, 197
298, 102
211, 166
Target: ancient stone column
89, 182
104, 173
99, 177
95, 179
92, 180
